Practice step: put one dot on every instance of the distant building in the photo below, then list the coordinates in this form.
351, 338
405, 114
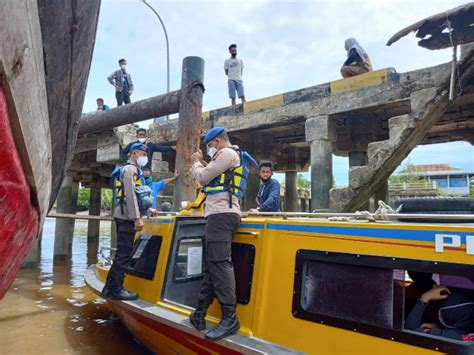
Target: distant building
450, 180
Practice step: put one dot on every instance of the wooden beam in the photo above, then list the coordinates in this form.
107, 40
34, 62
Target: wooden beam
79, 216
155, 106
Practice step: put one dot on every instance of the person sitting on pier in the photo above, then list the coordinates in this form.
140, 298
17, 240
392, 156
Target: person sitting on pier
101, 106
268, 196
357, 62
122, 81
142, 137
131, 205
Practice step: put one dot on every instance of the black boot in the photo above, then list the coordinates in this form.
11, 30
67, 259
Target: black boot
123, 294
227, 326
198, 316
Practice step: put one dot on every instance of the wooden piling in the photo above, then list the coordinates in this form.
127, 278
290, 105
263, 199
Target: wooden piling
189, 127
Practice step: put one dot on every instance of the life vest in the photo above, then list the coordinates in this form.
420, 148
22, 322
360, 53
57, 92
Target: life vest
142, 190
234, 180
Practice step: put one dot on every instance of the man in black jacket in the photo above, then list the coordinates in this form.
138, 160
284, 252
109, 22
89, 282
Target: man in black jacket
152, 148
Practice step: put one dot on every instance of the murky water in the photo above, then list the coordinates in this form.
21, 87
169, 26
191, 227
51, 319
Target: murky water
50, 310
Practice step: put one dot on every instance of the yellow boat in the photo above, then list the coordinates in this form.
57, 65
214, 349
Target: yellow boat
304, 284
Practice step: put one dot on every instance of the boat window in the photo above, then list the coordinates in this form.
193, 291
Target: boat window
243, 257
145, 256
189, 259
374, 295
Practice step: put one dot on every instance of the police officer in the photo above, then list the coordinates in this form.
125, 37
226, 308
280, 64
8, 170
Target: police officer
222, 215
128, 222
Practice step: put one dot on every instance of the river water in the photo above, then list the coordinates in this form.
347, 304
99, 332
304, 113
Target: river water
50, 310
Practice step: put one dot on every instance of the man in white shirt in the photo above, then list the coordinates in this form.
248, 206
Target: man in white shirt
234, 68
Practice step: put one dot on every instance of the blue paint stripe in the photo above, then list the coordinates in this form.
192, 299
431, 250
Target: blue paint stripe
164, 221
253, 226
416, 235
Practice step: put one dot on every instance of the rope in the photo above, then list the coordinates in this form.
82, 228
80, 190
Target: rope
381, 213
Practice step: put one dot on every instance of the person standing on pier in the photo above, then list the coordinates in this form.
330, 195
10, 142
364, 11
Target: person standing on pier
222, 213
234, 69
127, 216
122, 81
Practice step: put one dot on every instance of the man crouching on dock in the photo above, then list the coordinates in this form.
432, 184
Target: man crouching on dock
222, 220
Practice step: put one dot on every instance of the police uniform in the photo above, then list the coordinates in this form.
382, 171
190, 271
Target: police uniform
224, 181
126, 212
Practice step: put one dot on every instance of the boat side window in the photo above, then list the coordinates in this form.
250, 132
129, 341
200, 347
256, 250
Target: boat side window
189, 259
145, 256
373, 295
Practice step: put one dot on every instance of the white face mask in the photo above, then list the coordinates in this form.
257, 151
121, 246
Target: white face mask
142, 161
142, 140
211, 151
123, 66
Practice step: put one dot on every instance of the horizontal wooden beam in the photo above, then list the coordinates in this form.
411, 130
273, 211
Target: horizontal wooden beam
78, 216
155, 106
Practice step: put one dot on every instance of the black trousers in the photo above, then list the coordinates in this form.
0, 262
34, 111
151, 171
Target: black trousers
219, 278
123, 255
122, 97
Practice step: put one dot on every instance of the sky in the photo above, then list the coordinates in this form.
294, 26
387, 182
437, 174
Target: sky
285, 45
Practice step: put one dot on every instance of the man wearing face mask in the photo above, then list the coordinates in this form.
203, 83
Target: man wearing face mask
268, 196
222, 213
122, 81
234, 69
127, 216
152, 148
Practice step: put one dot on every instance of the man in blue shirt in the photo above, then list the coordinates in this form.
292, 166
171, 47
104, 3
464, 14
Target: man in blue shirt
268, 196
101, 106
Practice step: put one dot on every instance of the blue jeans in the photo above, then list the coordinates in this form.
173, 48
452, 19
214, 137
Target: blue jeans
235, 85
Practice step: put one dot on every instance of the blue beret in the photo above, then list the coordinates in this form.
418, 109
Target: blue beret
139, 146
213, 133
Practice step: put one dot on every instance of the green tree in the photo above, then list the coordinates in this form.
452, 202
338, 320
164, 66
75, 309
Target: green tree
107, 196
302, 182
83, 197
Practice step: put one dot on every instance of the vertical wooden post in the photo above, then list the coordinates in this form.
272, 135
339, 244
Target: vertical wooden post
189, 127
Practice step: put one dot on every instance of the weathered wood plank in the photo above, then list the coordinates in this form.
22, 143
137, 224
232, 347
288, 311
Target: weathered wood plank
80, 216
68, 31
22, 77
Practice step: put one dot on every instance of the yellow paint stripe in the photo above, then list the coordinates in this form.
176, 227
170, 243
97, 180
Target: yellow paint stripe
257, 105
206, 115
360, 81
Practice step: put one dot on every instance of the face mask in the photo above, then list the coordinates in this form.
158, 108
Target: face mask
142, 140
123, 66
211, 151
142, 161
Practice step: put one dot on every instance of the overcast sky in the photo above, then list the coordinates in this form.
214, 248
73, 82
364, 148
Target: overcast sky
285, 45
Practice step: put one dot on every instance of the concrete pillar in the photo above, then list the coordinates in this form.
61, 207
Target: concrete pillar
33, 258
253, 184
93, 227
66, 203
94, 210
357, 158
291, 191
320, 132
